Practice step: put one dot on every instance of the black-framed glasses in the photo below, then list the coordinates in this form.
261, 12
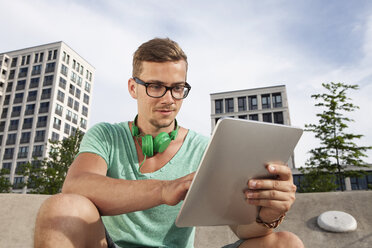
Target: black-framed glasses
156, 90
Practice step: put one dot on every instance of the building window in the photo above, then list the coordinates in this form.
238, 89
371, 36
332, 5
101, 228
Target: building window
266, 117
34, 82
7, 166
11, 138
30, 109
13, 125
23, 72
229, 105
218, 106
42, 121
38, 151
9, 87
11, 74
62, 83
21, 84
6, 100
32, 96
70, 102
27, 123
64, 70
46, 93
4, 114
57, 123
72, 89
55, 136
242, 103
18, 98
16, 111
48, 80
60, 96
87, 86
68, 115
67, 129
77, 93
23, 152
73, 76
278, 118
265, 100
252, 101
277, 100
253, 117
36, 58
74, 118
41, 57
44, 107
83, 123
25, 137
2, 126
79, 81
85, 111
76, 106
8, 153
59, 109
40, 136
18, 182
50, 67
86, 99
50, 53
64, 56
14, 62
244, 117
36, 70
55, 54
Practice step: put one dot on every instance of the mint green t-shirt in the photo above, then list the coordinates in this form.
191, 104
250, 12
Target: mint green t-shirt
153, 227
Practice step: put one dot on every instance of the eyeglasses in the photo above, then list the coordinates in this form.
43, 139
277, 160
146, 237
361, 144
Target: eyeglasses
156, 90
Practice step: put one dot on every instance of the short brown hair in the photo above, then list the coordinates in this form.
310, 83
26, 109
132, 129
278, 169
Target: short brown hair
157, 50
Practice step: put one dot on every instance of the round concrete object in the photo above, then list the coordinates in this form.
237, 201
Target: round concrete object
337, 221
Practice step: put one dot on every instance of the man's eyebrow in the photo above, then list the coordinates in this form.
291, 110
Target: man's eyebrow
162, 83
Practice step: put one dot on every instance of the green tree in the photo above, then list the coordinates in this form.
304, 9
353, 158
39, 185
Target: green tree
5, 186
327, 163
47, 176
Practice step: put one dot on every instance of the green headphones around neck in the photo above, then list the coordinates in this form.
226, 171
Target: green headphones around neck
158, 144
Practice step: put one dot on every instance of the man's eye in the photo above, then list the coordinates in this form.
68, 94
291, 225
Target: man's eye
156, 87
178, 88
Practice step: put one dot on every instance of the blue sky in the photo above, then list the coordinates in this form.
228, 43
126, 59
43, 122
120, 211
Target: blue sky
231, 45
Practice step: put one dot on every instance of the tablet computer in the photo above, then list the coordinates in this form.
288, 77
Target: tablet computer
239, 150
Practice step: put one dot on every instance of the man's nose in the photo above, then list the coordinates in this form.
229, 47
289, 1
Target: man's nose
168, 96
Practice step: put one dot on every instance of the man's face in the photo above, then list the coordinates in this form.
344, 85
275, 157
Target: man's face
158, 112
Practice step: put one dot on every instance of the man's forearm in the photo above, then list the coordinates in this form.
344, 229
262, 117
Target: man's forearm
115, 196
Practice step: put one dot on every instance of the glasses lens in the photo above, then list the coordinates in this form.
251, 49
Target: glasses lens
179, 91
155, 90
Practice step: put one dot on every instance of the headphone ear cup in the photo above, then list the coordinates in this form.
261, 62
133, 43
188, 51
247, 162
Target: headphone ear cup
135, 131
161, 142
173, 134
147, 146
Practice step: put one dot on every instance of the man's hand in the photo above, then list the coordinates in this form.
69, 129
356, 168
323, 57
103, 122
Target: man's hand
275, 196
174, 191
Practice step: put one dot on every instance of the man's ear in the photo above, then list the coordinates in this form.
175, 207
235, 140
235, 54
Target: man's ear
132, 88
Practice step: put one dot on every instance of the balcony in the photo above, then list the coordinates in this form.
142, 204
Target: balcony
37, 153
62, 84
41, 124
48, 82
27, 125
34, 85
60, 98
35, 72
22, 155
20, 87
18, 100
68, 117
46, 96
29, 111
8, 156
57, 126
13, 127
39, 138
58, 112
43, 110
11, 76
16, 113
10, 141
85, 113
25, 140
74, 121
6, 101
50, 69
4, 114
22, 74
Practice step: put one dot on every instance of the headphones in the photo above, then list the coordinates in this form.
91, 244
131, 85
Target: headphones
158, 144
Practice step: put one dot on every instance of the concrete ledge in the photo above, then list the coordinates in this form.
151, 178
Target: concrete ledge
18, 213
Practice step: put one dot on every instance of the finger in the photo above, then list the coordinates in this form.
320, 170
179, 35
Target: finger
270, 184
270, 195
280, 206
283, 171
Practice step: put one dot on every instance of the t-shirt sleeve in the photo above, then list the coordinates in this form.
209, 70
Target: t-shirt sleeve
97, 140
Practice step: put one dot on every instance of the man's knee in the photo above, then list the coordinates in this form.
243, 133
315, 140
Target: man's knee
68, 205
288, 240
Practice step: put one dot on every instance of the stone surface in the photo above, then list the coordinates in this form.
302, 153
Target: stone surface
337, 221
18, 213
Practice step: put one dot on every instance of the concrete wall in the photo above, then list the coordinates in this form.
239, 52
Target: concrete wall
18, 213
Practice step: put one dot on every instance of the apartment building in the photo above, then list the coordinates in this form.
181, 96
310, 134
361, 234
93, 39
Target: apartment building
45, 93
267, 104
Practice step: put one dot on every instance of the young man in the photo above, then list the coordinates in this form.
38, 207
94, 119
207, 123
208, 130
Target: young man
128, 180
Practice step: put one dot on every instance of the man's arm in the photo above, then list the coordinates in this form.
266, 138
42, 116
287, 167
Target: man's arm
87, 177
274, 196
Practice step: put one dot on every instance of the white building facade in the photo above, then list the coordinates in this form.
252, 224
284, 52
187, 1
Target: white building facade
267, 104
45, 93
